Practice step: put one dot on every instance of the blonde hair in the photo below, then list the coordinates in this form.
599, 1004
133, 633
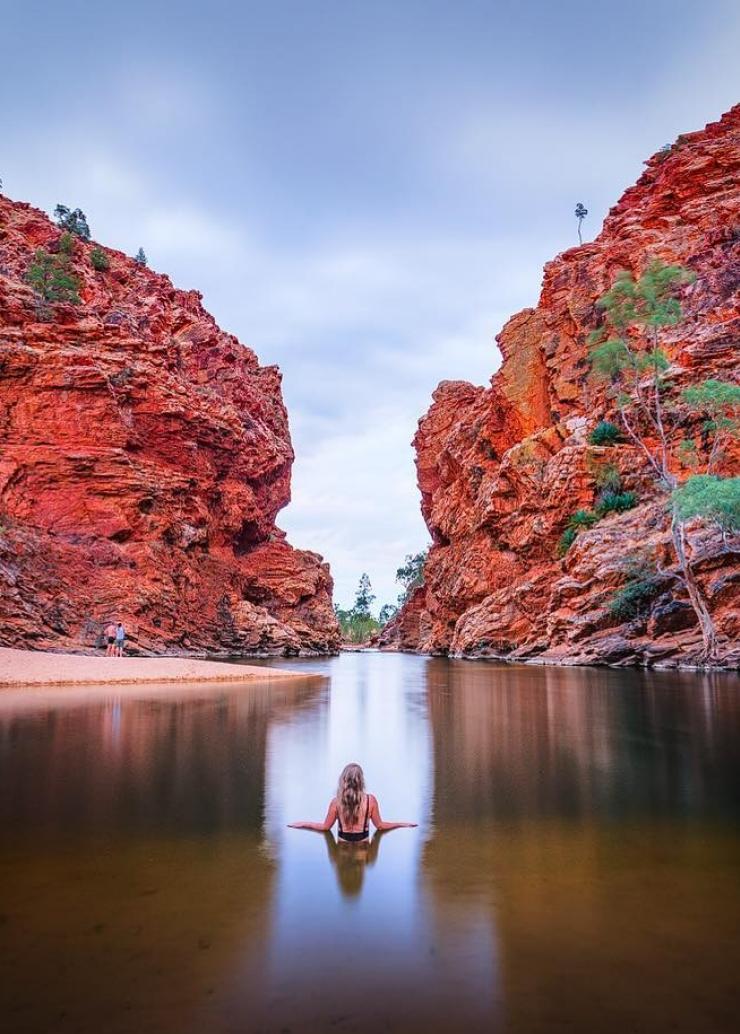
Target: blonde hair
349, 792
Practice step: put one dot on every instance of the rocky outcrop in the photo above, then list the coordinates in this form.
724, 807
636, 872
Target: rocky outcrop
500, 469
145, 455
408, 627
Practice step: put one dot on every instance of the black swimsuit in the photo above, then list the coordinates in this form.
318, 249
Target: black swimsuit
362, 834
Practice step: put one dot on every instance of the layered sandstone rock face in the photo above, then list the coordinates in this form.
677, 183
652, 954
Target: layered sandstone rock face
501, 469
144, 457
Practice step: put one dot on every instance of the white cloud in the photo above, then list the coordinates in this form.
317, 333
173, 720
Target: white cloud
162, 97
183, 233
108, 178
359, 504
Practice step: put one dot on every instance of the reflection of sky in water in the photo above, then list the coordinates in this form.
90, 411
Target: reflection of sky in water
373, 716
365, 907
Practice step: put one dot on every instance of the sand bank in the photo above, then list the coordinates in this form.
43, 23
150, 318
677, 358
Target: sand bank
31, 668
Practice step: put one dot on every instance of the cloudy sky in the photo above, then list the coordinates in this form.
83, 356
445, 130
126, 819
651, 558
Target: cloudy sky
363, 192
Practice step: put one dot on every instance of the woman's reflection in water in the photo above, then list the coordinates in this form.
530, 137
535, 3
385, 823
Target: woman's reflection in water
350, 861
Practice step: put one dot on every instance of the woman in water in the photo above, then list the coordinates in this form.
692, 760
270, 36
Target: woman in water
353, 808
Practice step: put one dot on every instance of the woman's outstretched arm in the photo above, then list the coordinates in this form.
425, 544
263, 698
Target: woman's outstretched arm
381, 823
320, 827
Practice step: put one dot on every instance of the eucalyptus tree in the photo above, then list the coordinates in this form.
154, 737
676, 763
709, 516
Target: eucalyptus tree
581, 213
73, 221
627, 353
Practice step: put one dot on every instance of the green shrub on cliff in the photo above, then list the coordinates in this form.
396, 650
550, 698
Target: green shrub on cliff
606, 476
576, 522
605, 433
634, 597
66, 244
615, 502
609, 502
582, 519
51, 279
99, 260
566, 540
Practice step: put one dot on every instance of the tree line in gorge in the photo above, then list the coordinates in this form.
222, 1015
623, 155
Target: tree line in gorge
359, 623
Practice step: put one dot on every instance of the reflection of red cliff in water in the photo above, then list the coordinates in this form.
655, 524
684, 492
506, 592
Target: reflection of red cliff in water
588, 936
158, 765
501, 469
138, 855
586, 730
154, 766
137, 874
145, 457
562, 815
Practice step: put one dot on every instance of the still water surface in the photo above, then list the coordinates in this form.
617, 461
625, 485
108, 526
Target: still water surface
575, 866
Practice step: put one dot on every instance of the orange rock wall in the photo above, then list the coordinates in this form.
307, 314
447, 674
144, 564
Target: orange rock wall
144, 457
500, 469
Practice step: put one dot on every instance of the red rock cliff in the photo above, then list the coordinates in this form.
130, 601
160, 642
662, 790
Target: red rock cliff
500, 469
145, 455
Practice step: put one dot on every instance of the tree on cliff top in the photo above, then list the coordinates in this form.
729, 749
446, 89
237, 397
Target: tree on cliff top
411, 573
581, 213
140, 257
73, 221
626, 353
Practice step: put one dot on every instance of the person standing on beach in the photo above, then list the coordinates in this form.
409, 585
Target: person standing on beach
110, 639
120, 639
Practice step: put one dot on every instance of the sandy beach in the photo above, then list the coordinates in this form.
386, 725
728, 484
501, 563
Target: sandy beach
30, 668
